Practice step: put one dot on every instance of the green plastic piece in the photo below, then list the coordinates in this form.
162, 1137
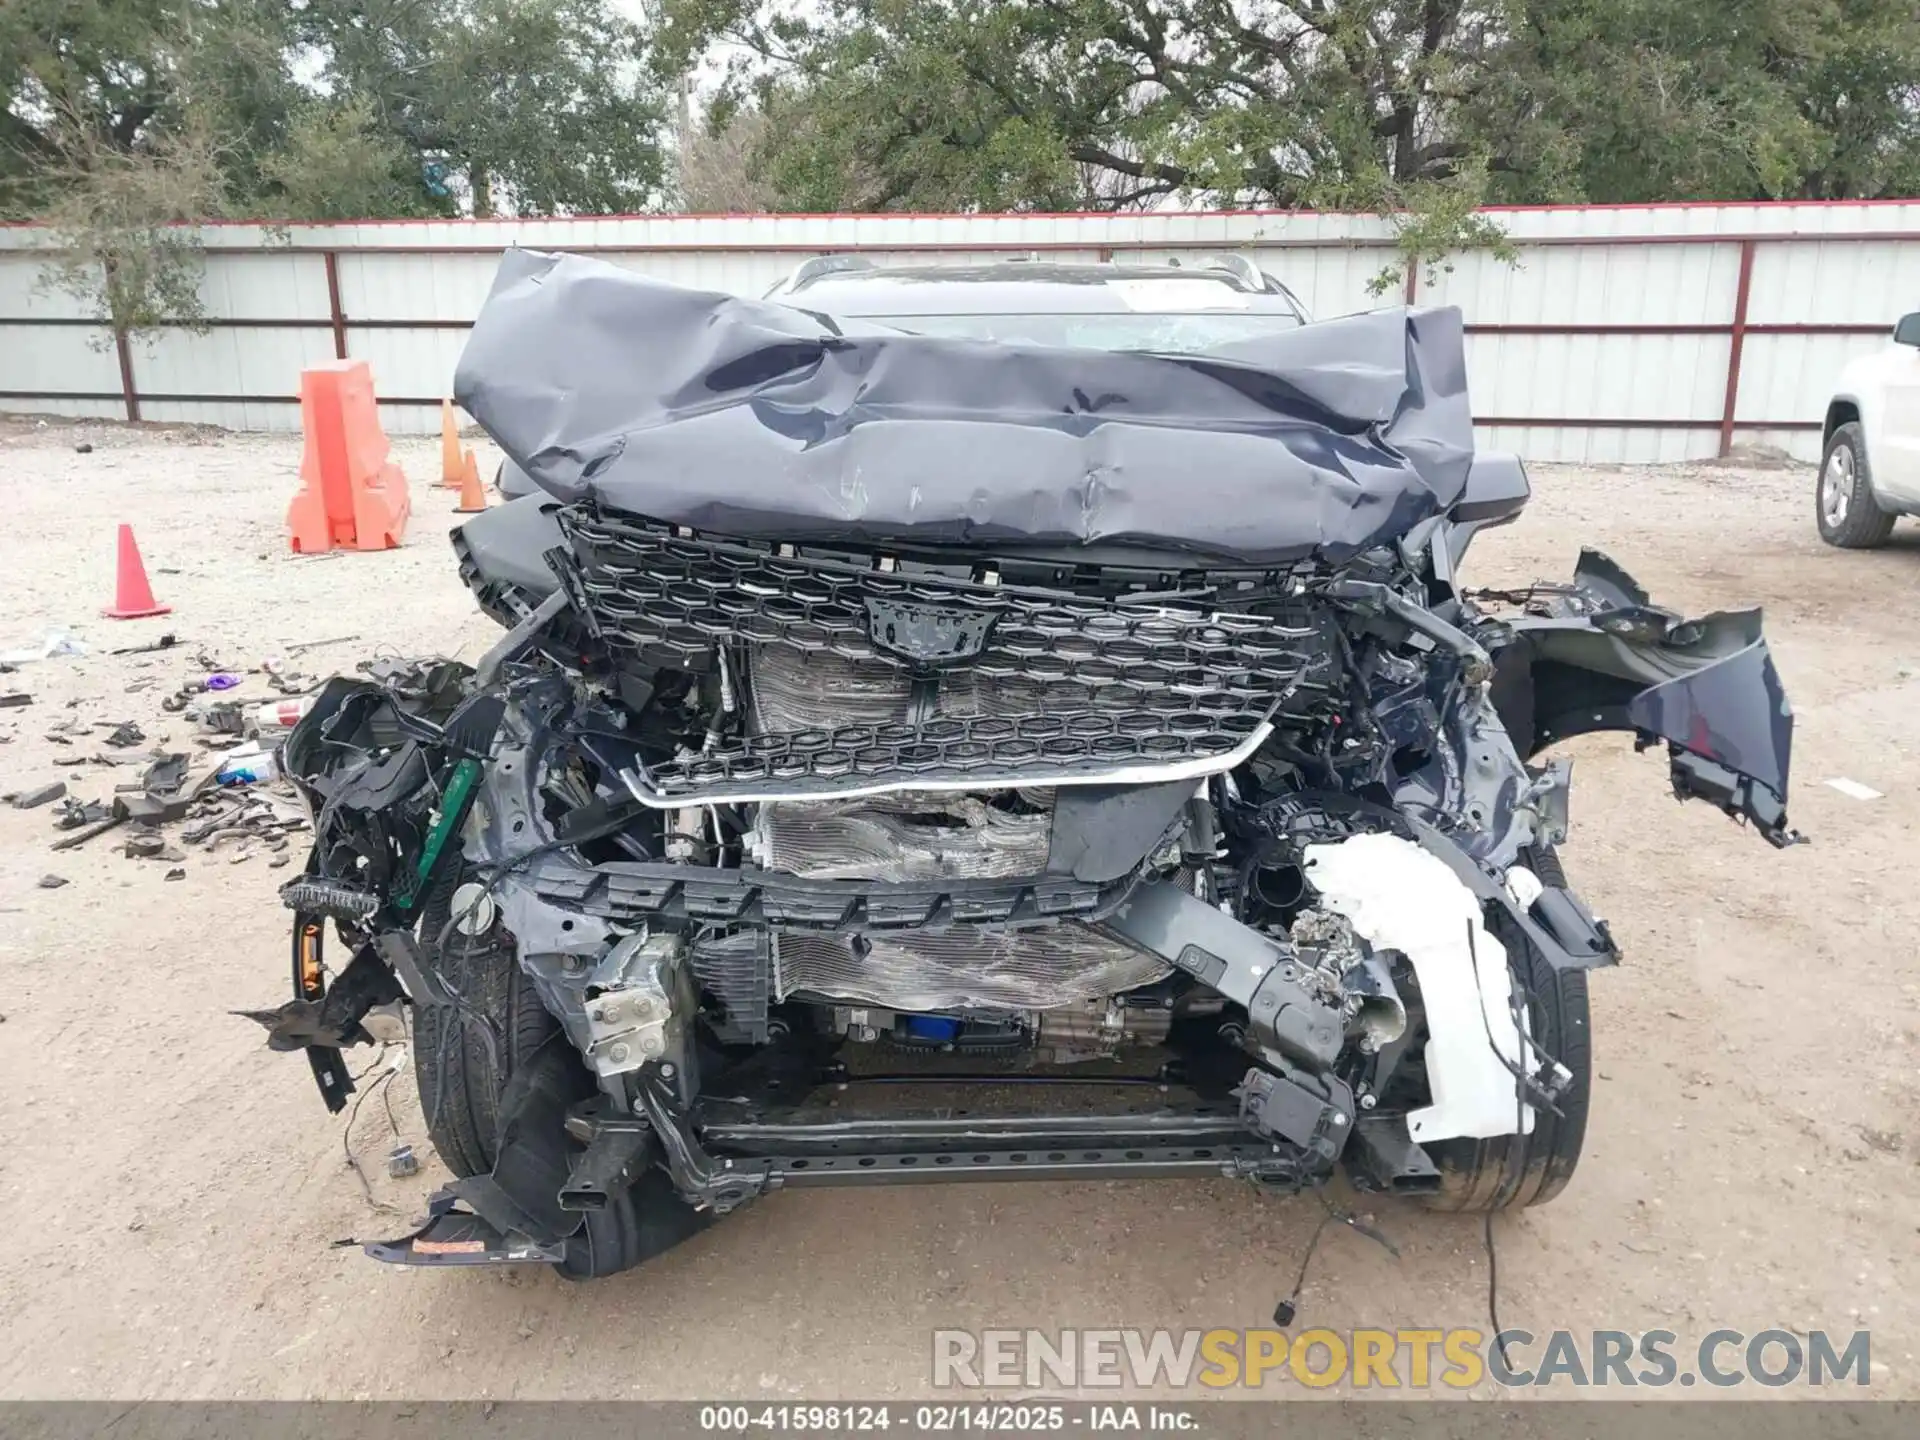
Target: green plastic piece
453, 809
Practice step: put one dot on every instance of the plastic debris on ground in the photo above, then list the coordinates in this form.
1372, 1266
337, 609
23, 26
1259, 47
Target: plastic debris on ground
75, 813
57, 645
277, 717
232, 802
249, 765
1853, 789
165, 642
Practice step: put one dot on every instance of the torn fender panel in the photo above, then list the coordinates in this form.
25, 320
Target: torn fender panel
761, 421
1596, 655
1732, 711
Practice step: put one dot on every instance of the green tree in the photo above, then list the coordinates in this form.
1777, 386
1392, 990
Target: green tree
1423, 109
119, 119
1639, 100
531, 107
1114, 104
337, 162
118, 123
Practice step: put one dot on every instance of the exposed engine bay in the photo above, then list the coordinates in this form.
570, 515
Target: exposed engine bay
762, 852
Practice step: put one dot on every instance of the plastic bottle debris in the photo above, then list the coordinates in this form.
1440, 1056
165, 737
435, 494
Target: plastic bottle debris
277, 715
250, 765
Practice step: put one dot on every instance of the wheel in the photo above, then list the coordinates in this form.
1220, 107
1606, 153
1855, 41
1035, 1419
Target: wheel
1510, 1172
462, 1057
1844, 507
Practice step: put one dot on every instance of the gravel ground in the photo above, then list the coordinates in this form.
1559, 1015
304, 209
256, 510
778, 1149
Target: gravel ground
173, 1193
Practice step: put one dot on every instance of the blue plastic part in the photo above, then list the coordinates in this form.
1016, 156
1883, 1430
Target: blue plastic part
939, 1028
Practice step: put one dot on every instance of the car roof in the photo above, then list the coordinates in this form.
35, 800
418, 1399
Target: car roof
1026, 287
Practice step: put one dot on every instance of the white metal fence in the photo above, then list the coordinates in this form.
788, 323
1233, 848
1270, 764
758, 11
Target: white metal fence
1639, 333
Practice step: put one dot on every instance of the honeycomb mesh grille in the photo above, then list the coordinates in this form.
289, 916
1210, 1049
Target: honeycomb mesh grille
1063, 685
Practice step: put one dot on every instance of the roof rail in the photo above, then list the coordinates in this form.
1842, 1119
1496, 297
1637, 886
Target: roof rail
1238, 266
810, 270
1243, 269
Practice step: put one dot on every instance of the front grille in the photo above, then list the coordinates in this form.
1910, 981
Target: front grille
1052, 686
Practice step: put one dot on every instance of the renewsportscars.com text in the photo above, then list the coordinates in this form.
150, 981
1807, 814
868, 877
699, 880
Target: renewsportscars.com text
1409, 1359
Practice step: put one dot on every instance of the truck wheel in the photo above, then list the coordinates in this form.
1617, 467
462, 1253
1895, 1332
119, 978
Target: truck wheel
1843, 505
463, 1055
1510, 1172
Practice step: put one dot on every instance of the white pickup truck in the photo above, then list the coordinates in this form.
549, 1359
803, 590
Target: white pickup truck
1870, 463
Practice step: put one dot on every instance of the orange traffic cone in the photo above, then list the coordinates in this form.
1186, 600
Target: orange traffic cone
473, 498
132, 595
449, 446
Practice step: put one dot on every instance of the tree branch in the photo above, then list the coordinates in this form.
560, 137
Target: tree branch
126, 128
1088, 153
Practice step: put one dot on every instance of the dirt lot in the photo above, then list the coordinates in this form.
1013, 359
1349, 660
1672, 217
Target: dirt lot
173, 1194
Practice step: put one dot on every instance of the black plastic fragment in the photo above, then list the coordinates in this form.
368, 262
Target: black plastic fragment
334, 1020
1101, 832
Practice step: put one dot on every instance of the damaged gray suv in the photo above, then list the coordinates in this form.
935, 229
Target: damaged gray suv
1021, 724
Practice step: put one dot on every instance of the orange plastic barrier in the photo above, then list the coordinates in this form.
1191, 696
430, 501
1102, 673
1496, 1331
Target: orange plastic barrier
351, 494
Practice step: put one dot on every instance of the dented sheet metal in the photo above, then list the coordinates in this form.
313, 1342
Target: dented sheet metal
762, 421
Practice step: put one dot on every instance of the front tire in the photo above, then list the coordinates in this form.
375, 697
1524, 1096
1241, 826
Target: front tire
1511, 1172
1843, 504
462, 1057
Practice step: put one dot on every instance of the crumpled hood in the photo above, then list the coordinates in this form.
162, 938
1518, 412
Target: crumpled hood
761, 421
